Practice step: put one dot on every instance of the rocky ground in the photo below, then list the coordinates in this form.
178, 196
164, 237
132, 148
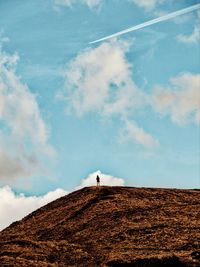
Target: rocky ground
108, 226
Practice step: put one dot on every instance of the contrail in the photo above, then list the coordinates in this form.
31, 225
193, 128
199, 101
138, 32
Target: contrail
151, 22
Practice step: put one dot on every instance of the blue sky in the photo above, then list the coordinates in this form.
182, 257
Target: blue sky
128, 107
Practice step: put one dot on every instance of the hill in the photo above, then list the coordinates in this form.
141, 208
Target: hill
108, 226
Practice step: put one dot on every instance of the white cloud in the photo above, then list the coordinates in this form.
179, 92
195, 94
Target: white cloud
23, 132
14, 207
18, 106
147, 4
90, 3
99, 80
181, 100
132, 131
105, 179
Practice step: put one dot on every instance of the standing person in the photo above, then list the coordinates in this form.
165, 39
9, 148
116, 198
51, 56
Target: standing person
98, 180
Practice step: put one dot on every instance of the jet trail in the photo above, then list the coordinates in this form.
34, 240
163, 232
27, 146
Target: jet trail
150, 22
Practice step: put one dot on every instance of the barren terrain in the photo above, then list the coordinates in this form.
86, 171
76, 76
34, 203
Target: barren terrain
108, 226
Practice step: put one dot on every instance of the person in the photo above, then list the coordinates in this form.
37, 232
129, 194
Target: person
98, 180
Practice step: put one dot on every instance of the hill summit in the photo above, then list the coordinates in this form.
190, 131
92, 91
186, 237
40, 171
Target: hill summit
108, 226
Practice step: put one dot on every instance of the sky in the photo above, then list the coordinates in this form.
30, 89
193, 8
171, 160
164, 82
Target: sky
127, 108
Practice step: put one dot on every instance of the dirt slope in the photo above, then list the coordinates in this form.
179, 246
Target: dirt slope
108, 226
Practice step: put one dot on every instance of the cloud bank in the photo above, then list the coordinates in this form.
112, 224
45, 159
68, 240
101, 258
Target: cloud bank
14, 207
105, 179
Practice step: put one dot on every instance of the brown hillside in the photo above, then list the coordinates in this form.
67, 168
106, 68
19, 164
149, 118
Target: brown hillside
108, 226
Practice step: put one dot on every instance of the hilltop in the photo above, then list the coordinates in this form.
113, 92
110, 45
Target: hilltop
108, 226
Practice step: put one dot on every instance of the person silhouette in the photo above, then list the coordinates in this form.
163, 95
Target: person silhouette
98, 180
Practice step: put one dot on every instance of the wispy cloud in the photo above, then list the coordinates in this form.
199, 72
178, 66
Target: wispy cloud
181, 100
148, 5
69, 3
194, 37
131, 131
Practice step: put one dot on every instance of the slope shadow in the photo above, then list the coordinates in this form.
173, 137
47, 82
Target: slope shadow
152, 262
